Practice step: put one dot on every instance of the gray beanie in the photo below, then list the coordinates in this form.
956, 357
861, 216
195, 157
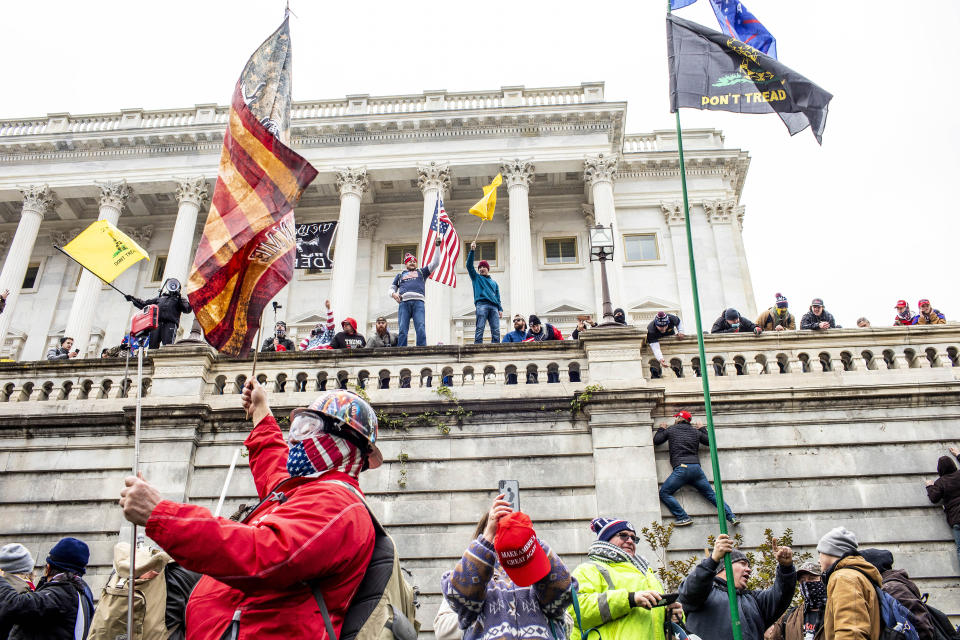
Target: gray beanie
16, 558
735, 556
838, 542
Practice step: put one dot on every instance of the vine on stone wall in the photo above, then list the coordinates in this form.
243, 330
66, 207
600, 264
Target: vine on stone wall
583, 398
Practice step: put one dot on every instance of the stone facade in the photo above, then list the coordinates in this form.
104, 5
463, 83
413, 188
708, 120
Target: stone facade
566, 160
814, 430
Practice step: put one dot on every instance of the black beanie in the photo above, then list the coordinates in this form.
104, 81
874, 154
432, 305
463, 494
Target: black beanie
880, 558
534, 320
946, 465
70, 554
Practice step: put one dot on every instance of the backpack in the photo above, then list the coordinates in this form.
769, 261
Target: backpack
898, 622
942, 627
385, 606
150, 598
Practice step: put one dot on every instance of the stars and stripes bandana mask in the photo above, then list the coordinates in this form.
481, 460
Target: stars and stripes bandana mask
313, 452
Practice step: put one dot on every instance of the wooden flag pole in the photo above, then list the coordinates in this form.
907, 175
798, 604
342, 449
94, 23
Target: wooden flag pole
478, 229
705, 381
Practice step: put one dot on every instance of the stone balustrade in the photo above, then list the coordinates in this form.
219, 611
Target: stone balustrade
308, 110
610, 357
799, 355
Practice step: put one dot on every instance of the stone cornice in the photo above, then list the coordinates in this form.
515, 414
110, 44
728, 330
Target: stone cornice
731, 164
351, 121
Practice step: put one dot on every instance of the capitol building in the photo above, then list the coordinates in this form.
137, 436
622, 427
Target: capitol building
567, 164
815, 429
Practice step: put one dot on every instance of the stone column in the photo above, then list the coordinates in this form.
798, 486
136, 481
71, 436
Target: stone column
113, 196
351, 182
433, 178
191, 194
673, 216
365, 271
517, 174
721, 214
599, 172
37, 200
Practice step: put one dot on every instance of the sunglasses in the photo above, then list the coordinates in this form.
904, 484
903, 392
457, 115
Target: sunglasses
623, 535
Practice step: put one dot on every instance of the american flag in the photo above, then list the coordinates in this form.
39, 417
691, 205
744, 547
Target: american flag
449, 247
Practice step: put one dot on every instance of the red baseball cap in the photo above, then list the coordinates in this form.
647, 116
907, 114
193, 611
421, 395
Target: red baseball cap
683, 414
922, 302
519, 551
900, 303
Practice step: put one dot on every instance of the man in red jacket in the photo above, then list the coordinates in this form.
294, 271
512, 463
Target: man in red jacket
311, 526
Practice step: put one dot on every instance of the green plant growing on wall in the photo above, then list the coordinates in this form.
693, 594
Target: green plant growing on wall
583, 398
763, 562
402, 480
457, 412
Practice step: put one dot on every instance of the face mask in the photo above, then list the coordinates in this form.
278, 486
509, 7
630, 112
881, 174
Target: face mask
734, 325
814, 594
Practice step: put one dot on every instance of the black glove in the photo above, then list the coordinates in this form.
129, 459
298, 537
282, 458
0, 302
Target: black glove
128, 297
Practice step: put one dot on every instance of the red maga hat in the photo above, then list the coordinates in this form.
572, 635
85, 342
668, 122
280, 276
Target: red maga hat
683, 414
519, 551
922, 302
900, 303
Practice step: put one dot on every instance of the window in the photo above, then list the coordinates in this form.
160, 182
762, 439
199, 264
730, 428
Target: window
158, 266
30, 277
393, 255
639, 247
560, 250
486, 250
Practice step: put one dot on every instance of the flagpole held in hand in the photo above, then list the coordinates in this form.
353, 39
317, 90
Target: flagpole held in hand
256, 350
704, 379
478, 230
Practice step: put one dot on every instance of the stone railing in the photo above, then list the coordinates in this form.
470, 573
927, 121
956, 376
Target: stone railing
308, 110
614, 358
666, 140
799, 354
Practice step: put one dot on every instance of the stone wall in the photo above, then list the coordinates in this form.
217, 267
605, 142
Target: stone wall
845, 434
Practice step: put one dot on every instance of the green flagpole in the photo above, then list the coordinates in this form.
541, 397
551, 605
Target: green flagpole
704, 378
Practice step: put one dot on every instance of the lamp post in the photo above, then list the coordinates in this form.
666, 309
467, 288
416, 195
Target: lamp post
601, 250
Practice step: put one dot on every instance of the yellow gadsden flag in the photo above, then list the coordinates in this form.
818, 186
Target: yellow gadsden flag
105, 250
484, 208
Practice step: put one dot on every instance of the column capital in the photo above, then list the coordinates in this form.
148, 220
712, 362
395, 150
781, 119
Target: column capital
723, 211
38, 198
115, 194
600, 168
62, 237
672, 211
517, 172
368, 225
192, 190
433, 175
142, 235
352, 180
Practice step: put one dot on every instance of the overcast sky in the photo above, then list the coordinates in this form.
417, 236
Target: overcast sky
866, 219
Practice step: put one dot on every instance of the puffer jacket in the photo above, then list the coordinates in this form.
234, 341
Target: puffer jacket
685, 441
60, 607
704, 599
769, 320
947, 489
312, 529
609, 608
935, 317
853, 608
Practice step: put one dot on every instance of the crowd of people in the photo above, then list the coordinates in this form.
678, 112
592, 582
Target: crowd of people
291, 566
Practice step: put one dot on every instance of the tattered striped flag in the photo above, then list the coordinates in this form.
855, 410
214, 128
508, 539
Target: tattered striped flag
247, 251
441, 227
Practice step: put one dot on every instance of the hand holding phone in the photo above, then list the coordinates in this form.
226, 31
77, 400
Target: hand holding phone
511, 492
667, 599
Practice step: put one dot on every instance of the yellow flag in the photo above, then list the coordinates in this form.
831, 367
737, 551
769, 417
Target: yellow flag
484, 208
105, 250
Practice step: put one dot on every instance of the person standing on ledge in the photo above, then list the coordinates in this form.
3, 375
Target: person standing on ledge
171, 304
408, 289
486, 298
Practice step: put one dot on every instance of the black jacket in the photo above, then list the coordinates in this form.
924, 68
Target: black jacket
345, 341
704, 599
722, 326
171, 306
270, 344
947, 488
810, 321
654, 335
50, 612
685, 440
